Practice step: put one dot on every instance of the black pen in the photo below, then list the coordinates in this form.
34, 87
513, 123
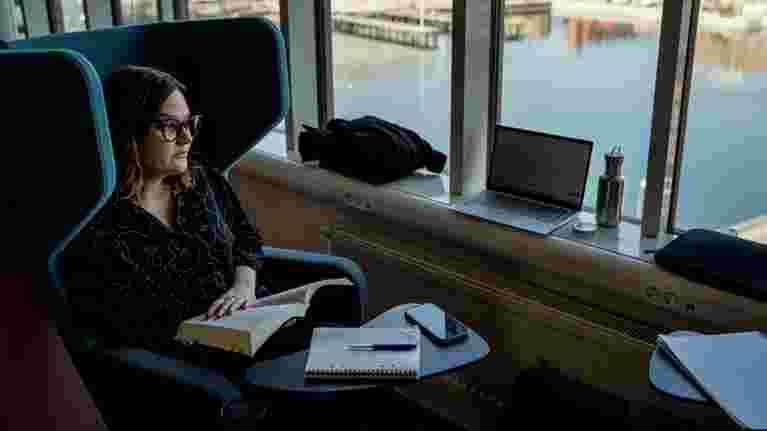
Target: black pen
380, 346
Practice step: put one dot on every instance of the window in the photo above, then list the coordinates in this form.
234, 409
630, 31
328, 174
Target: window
721, 181
391, 59
74, 17
274, 142
588, 71
140, 11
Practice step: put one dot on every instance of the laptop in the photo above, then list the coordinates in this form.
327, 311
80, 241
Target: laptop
535, 182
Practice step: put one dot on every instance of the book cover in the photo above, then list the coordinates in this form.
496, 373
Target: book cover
730, 368
245, 331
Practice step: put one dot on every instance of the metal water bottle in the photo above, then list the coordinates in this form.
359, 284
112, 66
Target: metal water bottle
610, 191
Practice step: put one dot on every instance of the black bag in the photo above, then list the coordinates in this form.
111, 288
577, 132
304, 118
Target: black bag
722, 261
369, 149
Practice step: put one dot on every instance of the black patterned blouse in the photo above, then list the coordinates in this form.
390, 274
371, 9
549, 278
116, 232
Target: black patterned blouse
132, 279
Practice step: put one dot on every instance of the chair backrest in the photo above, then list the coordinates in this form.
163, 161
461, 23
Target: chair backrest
235, 70
61, 168
60, 171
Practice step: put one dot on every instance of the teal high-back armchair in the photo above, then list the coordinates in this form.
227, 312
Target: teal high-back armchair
235, 70
38, 182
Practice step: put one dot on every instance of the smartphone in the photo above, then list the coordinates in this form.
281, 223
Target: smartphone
440, 327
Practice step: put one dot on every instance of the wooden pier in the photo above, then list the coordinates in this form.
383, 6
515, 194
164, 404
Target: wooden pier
410, 27
443, 22
523, 7
416, 36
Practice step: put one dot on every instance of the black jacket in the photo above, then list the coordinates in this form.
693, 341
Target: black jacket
369, 149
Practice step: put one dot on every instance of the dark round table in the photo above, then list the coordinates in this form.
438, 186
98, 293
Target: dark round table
284, 376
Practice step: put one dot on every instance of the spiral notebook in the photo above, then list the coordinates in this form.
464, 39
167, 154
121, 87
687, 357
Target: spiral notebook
329, 358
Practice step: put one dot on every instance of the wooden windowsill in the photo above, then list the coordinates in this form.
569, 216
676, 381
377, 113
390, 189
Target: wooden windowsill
612, 258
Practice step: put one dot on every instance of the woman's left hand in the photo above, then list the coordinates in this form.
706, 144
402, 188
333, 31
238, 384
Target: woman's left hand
236, 298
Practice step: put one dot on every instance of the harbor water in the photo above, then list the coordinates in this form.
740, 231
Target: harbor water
595, 80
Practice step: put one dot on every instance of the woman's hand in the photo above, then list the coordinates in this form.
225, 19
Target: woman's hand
236, 298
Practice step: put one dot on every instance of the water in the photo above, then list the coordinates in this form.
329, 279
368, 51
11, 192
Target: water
598, 86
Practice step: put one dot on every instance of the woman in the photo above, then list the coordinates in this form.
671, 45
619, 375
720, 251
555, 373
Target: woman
173, 241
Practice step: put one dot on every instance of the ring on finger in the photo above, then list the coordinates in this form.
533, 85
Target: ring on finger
233, 301
231, 305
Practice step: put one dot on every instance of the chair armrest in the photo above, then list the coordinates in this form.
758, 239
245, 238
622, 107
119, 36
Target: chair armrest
171, 386
306, 267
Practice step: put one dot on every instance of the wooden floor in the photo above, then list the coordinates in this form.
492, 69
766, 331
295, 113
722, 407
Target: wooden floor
371, 412
378, 411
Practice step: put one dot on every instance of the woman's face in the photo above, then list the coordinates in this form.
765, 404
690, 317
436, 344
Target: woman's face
166, 144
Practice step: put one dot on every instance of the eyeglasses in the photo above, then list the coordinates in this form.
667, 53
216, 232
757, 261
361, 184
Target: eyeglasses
172, 129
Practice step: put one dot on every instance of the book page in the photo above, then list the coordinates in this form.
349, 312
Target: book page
302, 294
314, 287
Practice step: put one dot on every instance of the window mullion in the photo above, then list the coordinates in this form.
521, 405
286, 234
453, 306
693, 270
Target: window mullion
55, 16
684, 76
471, 111
496, 73
457, 97
665, 122
181, 10
324, 44
118, 17
299, 19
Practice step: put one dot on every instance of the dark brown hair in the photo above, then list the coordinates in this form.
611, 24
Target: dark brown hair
134, 95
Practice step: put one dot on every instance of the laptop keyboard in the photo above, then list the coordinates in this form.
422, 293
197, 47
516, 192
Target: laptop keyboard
525, 209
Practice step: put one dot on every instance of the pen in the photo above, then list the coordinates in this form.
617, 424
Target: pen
380, 346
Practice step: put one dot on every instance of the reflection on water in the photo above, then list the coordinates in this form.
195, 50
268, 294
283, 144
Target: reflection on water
586, 31
527, 26
235, 8
140, 11
594, 79
739, 52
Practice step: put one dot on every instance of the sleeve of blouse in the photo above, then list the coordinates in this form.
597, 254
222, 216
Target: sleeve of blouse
247, 241
108, 290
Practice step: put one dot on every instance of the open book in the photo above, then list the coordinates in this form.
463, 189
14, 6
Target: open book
245, 331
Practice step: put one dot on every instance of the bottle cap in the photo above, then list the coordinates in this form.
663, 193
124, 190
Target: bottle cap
614, 161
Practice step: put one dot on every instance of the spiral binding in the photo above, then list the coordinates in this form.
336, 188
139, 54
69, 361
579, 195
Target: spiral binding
361, 372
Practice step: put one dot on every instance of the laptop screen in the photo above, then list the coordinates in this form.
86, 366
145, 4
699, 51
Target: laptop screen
540, 166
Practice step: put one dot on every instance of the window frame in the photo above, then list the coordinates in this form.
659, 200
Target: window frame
675, 62
471, 136
301, 23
